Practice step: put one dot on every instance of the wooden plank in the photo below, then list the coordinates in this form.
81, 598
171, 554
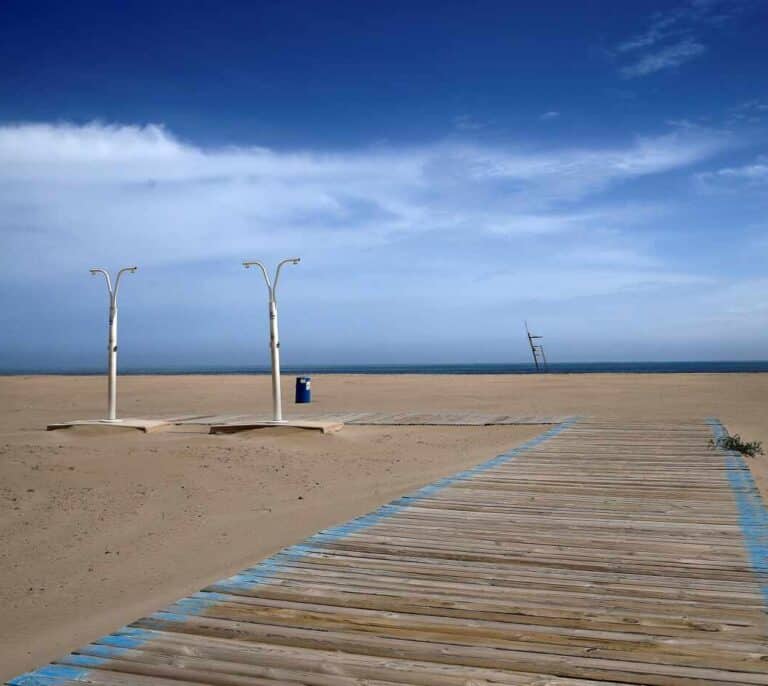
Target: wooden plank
380, 419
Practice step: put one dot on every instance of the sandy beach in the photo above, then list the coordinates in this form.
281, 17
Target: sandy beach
99, 528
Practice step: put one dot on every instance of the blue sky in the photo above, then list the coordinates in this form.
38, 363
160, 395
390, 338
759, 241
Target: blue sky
445, 171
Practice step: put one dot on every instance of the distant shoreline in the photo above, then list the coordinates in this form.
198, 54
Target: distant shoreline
689, 367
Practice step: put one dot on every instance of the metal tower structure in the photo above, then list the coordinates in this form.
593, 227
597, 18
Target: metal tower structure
537, 350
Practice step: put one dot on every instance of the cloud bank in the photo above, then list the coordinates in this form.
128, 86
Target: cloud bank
397, 242
140, 191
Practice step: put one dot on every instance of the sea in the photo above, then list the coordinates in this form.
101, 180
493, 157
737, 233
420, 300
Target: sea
689, 367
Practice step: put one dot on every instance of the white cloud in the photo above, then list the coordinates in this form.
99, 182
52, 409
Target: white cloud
659, 29
74, 196
751, 111
601, 220
665, 58
678, 35
572, 174
141, 190
92, 143
549, 116
755, 174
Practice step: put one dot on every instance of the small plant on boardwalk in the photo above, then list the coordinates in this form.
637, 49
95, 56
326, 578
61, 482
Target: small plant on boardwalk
734, 442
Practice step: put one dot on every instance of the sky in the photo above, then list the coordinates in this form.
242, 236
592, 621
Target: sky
444, 170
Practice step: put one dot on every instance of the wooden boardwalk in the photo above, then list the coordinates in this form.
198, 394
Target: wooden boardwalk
385, 418
600, 552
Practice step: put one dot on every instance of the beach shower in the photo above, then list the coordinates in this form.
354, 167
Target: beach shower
112, 339
274, 341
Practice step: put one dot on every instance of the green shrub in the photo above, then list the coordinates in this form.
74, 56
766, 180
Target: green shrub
734, 442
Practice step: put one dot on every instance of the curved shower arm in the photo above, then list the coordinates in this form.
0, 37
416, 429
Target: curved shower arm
251, 263
105, 273
119, 274
291, 260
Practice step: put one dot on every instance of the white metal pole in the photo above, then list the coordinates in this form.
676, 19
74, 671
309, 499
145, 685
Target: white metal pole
274, 338
112, 359
112, 340
274, 344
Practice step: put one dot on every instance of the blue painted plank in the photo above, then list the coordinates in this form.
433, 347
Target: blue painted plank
51, 675
753, 516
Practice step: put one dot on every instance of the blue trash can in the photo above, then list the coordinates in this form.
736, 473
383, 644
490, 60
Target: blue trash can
303, 389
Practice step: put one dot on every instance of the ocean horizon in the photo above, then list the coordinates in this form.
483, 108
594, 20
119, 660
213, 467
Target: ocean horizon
669, 367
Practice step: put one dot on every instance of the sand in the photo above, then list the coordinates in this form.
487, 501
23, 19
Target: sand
98, 529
